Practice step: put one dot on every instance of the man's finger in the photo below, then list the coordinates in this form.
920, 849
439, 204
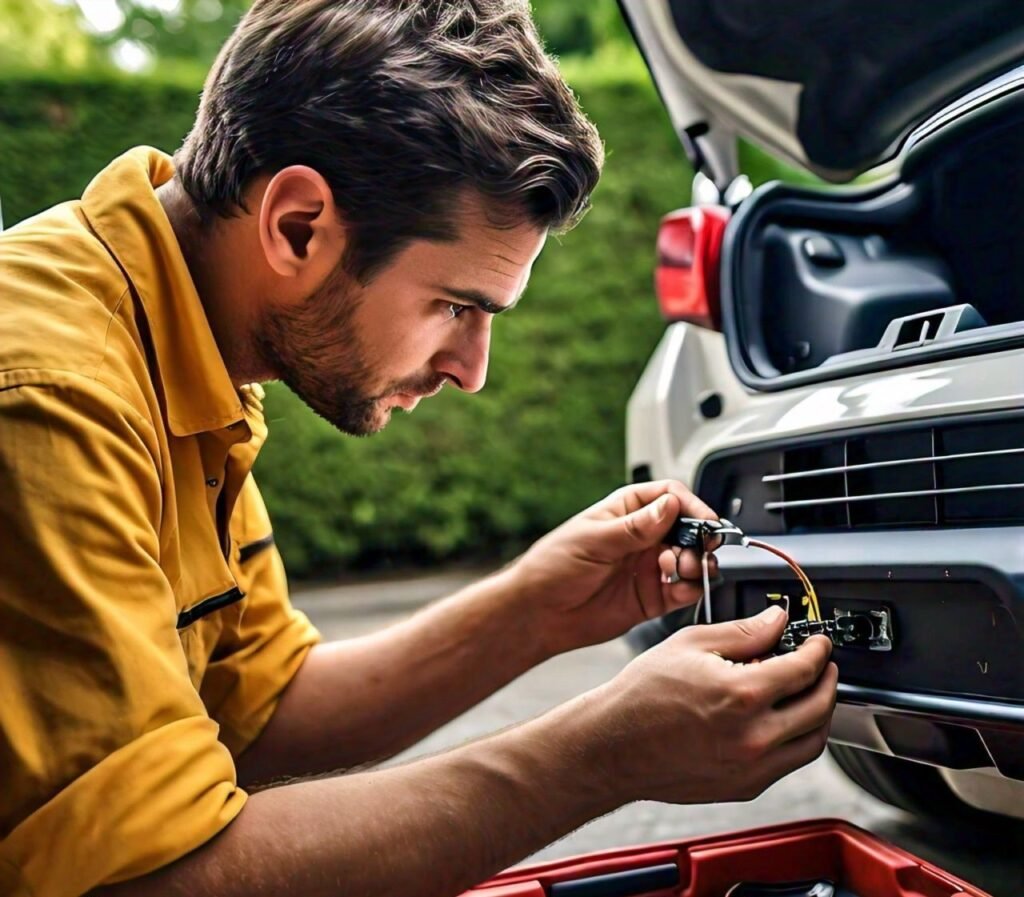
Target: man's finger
685, 563
638, 495
793, 755
807, 712
640, 529
684, 593
742, 640
790, 674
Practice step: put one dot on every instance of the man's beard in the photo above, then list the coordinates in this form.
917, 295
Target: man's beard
317, 352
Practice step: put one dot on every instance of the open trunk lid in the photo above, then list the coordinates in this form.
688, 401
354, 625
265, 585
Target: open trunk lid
832, 86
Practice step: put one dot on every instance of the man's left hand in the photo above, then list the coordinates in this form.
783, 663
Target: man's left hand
606, 569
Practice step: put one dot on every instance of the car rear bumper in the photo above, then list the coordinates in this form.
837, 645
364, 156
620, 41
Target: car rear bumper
668, 433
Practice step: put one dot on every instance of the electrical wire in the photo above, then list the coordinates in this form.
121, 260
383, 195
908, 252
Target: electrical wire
810, 596
707, 586
813, 608
705, 601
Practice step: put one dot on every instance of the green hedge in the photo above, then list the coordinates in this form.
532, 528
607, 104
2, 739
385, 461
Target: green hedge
464, 475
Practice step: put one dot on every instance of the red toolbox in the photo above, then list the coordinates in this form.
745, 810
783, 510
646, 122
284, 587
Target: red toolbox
855, 861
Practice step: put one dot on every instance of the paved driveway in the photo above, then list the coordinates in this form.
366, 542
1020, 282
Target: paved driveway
817, 790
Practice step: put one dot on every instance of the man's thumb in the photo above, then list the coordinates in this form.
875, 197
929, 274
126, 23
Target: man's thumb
743, 640
647, 525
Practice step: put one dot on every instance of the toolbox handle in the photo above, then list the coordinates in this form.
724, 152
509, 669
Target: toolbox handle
629, 883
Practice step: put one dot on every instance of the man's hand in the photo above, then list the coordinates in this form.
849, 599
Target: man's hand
605, 570
688, 721
694, 721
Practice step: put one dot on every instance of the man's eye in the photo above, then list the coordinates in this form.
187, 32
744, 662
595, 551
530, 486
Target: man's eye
454, 309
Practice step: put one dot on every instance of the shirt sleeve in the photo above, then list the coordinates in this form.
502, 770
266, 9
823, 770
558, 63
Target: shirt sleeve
111, 766
257, 660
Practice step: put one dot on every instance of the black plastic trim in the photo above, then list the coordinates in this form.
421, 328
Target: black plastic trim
630, 883
835, 434
253, 548
933, 135
208, 606
873, 204
641, 473
823, 205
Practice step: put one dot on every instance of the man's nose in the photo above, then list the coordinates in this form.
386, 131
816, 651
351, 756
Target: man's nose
465, 363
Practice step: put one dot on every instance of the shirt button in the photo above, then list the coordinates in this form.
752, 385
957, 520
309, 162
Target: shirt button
212, 481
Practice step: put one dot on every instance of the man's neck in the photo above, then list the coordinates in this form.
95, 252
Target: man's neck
212, 253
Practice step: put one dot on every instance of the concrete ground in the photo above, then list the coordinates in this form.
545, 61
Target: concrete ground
816, 791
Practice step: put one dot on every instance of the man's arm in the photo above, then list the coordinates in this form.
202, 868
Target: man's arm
366, 699
109, 763
680, 723
588, 581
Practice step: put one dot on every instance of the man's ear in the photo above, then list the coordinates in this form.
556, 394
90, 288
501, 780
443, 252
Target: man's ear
299, 227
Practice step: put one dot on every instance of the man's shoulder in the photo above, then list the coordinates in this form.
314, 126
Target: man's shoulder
65, 305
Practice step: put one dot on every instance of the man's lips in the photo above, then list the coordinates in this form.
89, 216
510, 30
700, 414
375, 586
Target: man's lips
408, 400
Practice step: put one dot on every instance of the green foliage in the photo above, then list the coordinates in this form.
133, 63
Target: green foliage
40, 33
464, 475
573, 28
56, 132
191, 32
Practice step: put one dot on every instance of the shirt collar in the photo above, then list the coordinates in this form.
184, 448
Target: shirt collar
123, 209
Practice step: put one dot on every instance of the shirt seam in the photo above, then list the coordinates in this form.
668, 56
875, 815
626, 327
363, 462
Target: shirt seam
106, 334
54, 378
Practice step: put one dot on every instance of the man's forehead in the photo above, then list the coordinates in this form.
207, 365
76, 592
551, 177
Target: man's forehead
494, 261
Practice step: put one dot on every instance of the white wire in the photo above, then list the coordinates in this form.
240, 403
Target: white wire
707, 587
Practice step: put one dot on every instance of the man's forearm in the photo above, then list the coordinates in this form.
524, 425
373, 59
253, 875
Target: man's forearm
366, 699
431, 827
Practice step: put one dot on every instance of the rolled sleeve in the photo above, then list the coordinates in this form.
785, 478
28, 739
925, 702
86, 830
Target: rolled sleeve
148, 803
112, 766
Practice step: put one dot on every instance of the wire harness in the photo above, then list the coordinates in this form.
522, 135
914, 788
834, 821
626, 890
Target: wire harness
704, 536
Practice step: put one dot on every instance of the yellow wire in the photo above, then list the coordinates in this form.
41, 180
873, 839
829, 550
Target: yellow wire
813, 607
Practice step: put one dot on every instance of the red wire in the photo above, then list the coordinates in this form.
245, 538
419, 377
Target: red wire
794, 566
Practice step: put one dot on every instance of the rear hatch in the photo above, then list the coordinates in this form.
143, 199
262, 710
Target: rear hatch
923, 260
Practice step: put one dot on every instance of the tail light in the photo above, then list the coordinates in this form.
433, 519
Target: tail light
686, 278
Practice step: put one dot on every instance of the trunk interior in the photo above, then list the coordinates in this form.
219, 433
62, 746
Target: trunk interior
823, 283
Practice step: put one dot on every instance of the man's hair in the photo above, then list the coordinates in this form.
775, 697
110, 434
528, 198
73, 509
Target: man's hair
401, 105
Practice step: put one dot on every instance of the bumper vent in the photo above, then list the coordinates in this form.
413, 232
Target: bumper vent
944, 475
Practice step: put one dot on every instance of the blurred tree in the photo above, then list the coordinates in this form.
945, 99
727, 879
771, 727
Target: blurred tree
189, 31
41, 34
573, 28
192, 31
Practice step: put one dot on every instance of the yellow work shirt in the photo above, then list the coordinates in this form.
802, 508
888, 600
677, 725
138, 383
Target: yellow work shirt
145, 629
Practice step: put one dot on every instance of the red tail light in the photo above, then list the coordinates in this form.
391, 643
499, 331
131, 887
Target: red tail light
686, 278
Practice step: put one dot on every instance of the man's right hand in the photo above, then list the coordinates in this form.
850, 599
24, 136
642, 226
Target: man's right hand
680, 724
695, 720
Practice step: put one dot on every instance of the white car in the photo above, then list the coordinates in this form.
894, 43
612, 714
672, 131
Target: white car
843, 374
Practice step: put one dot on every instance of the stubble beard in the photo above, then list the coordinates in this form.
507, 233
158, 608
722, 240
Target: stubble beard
316, 351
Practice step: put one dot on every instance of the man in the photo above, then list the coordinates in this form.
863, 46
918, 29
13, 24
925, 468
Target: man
366, 187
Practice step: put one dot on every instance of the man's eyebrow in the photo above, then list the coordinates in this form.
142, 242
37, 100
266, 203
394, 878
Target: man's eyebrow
480, 300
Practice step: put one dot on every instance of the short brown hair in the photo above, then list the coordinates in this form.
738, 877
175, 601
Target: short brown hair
401, 105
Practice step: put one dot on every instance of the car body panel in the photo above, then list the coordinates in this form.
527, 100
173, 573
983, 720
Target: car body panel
666, 430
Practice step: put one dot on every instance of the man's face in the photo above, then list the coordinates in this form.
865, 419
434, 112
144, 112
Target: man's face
354, 353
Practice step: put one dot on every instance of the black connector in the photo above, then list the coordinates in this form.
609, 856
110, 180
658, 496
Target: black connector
870, 630
702, 535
